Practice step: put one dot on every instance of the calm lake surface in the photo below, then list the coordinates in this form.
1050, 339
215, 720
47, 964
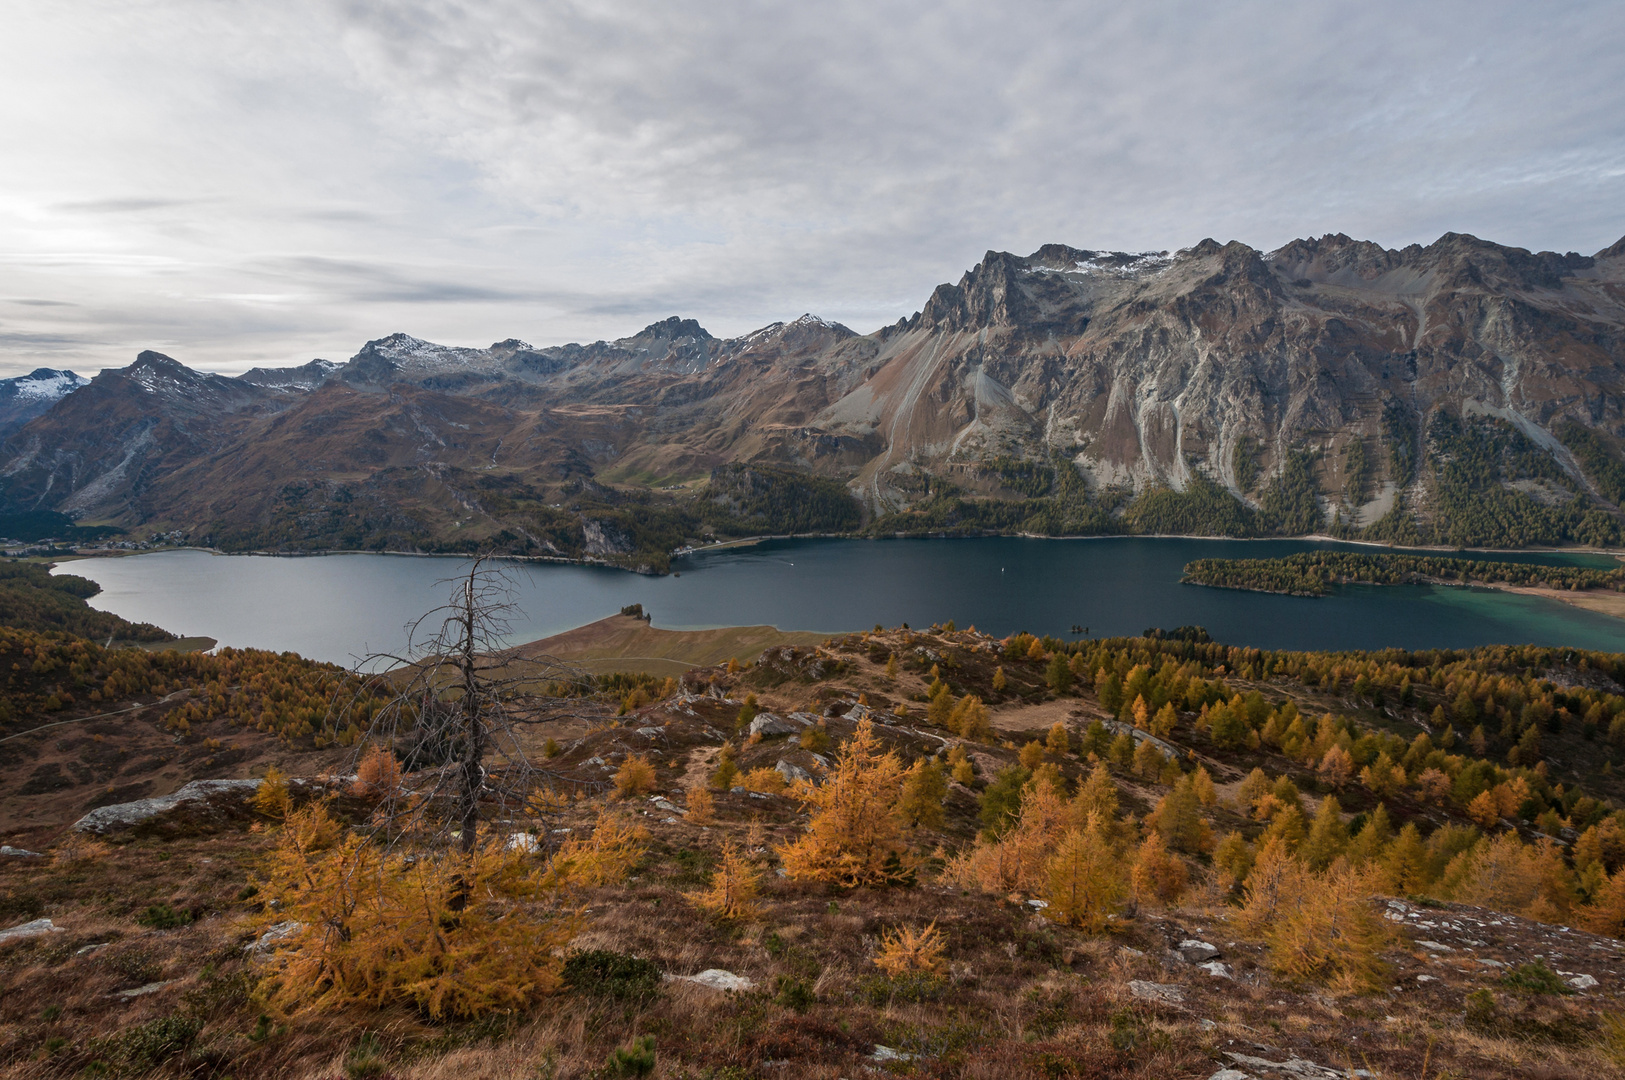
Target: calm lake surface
341, 607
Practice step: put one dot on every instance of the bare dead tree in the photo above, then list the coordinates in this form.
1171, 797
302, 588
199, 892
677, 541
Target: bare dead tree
460, 701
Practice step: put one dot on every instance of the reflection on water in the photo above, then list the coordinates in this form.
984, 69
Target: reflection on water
337, 607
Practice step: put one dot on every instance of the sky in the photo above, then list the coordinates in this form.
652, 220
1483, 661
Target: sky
249, 183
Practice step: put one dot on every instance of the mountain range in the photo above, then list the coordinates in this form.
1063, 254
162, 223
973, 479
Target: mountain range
1461, 393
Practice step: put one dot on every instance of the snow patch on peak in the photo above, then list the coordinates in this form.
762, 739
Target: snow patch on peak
43, 384
1114, 263
404, 349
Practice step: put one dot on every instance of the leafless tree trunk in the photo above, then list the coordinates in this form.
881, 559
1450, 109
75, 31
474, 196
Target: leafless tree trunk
460, 702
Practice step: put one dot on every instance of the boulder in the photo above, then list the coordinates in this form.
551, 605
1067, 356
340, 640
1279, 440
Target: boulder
21, 853
1163, 992
793, 772
208, 798
143, 991
717, 979
37, 928
767, 725
277, 932
1216, 969
1196, 952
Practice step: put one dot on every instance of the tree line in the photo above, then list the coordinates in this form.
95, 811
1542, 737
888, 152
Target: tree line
1313, 573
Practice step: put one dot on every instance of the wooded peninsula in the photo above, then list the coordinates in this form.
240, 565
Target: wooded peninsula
1313, 573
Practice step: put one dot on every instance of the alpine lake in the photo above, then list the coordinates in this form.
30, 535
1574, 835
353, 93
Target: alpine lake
342, 607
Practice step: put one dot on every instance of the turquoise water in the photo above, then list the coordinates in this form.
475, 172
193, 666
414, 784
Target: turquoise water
340, 607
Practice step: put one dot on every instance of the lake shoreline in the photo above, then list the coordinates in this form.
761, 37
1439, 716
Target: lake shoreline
754, 541
333, 608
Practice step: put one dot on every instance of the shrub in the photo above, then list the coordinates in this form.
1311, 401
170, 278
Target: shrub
793, 993
378, 776
272, 798
815, 738
400, 930
854, 837
635, 777
144, 1047
909, 952
609, 974
163, 917
365, 1060
636, 1058
1535, 978
767, 780
734, 886
702, 806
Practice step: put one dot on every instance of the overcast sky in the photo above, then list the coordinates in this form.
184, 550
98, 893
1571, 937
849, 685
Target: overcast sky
241, 183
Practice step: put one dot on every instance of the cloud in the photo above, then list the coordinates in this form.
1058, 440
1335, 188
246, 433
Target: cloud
254, 183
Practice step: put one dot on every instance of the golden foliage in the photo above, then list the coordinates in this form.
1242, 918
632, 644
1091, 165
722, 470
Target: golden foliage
1328, 931
702, 805
1058, 741
854, 837
765, 779
1032, 754
904, 951
970, 719
1157, 874
999, 681
378, 776
1178, 818
734, 886
1484, 810
1016, 860
1083, 878
1316, 926
603, 857
1148, 760
272, 798
453, 934
924, 788
1337, 767
1274, 880
1508, 875
1606, 912
635, 777
1202, 784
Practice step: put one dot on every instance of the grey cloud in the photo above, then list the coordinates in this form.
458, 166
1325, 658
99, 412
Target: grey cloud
562, 171
123, 206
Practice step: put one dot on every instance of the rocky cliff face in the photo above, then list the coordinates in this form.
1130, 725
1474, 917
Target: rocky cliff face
1214, 365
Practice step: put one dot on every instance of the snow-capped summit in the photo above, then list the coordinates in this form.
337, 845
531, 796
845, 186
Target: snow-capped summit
27, 396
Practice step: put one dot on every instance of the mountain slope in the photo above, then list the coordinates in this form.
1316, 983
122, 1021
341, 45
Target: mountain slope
1461, 392
28, 396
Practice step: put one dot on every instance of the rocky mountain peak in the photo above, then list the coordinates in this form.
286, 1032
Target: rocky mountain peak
675, 328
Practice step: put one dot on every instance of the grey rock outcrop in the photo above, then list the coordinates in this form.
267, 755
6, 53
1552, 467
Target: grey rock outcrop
200, 797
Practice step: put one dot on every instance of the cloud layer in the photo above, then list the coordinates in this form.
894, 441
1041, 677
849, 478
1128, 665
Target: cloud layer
239, 183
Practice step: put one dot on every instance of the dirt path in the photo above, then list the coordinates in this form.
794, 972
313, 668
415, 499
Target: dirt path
1071, 711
